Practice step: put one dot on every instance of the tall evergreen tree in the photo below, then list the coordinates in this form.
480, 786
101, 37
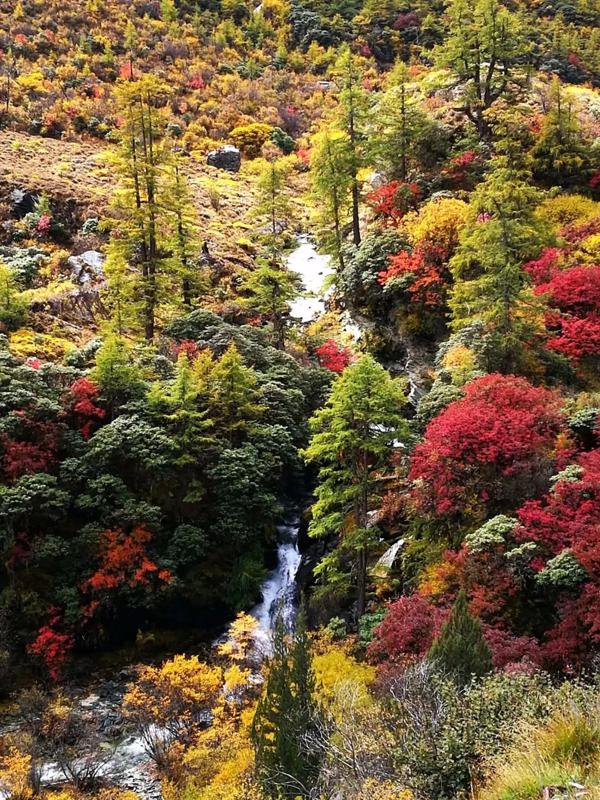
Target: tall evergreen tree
273, 199
138, 224
351, 119
486, 48
400, 125
285, 715
489, 282
461, 650
183, 227
331, 188
271, 289
352, 440
560, 154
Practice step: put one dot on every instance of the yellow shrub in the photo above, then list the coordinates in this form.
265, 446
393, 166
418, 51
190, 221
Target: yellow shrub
461, 362
566, 209
26, 343
15, 769
336, 666
251, 138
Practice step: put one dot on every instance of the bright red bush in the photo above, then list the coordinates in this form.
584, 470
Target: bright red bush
428, 269
487, 449
510, 651
83, 394
566, 516
408, 629
52, 646
393, 200
333, 356
124, 561
35, 449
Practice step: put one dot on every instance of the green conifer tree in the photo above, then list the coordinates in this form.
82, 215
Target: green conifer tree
331, 185
352, 440
285, 715
461, 650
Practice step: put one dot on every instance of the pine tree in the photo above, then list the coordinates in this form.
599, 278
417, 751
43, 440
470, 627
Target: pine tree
285, 715
182, 408
272, 289
485, 47
235, 396
116, 374
351, 120
352, 440
273, 199
400, 126
489, 282
461, 650
183, 227
138, 226
13, 307
331, 190
560, 154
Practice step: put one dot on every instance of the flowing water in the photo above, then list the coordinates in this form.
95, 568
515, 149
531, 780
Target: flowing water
280, 589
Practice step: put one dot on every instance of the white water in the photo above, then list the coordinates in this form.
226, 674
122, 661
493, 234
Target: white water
279, 591
313, 268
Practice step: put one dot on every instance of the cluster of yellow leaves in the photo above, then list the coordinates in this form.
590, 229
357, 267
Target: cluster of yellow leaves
15, 770
438, 578
460, 361
568, 209
438, 223
25, 343
240, 638
376, 790
221, 761
176, 690
335, 666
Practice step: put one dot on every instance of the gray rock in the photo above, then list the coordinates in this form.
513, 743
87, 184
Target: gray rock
227, 157
22, 202
87, 267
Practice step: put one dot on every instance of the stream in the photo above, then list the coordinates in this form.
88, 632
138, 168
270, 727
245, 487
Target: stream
125, 762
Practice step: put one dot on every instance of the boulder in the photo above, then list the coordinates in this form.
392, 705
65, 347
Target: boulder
87, 267
22, 202
228, 158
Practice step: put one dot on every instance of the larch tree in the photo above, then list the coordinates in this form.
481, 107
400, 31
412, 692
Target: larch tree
138, 227
331, 189
352, 119
352, 439
234, 396
271, 289
560, 155
273, 202
285, 715
486, 49
400, 125
183, 227
490, 284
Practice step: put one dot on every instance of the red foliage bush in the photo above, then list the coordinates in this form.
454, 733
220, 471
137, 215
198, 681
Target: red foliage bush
124, 561
427, 266
83, 394
393, 200
35, 449
408, 629
486, 449
52, 647
333, 356
567, 515
508, 650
